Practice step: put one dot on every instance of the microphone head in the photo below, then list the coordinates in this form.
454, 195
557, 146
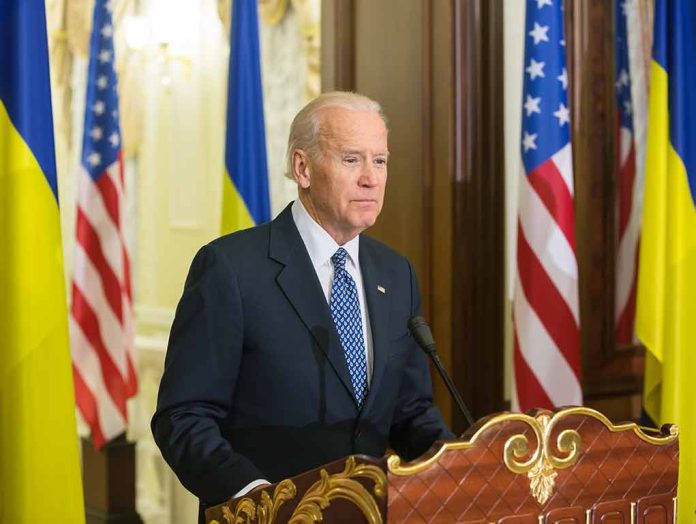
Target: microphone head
420, 330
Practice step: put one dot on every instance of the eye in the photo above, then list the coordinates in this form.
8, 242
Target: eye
381, 161
350, 160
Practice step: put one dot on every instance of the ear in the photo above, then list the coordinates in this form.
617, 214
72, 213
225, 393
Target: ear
301, 170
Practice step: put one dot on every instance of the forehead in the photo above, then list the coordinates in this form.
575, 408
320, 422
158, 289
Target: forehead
345, 127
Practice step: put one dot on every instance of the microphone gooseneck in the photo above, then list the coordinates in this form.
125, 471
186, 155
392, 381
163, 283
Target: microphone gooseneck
420, 330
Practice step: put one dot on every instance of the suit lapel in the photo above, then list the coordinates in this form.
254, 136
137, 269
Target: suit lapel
377, 285
300, 284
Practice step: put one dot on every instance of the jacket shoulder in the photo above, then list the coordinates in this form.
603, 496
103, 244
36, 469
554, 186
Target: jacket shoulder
244, 242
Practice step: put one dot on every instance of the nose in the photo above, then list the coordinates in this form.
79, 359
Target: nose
369, 177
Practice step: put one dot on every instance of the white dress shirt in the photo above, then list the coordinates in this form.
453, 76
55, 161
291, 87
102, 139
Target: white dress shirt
321, 247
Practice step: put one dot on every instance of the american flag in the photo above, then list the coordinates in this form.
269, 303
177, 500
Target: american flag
627, 208
101, 323
545, 300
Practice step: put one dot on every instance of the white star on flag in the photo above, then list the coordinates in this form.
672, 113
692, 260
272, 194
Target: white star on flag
107, 31
623, 79
542, 3
102, 82
628, 108
529, 141
114, 139
104, 56
563, 78
94, 159
535, 69
96, 133
562, 114
98, 107
539, 33
531, 105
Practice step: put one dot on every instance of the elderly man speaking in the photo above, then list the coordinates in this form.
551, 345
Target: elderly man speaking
290, 346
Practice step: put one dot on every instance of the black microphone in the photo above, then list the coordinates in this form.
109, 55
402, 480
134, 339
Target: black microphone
420, 330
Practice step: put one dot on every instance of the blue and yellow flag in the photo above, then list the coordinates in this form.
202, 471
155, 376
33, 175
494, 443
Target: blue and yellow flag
666, 312
39, 463
245, 200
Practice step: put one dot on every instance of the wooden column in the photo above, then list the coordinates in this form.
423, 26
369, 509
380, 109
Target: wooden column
479, 204
612, 376
109, 482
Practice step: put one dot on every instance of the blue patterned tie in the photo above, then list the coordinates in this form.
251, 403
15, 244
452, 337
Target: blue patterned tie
345, 310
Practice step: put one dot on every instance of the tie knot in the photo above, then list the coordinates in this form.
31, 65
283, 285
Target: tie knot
339, 258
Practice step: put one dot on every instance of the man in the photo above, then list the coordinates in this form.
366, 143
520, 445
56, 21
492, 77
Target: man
290, 345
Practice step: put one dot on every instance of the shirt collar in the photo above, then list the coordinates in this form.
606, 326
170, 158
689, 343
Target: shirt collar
320, 245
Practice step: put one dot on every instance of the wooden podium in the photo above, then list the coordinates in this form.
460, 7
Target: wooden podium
570, 466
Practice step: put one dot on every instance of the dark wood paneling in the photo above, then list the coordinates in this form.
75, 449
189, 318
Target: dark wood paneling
479, 194
388, 67
440, 194
435, 67
337, 42
608, 371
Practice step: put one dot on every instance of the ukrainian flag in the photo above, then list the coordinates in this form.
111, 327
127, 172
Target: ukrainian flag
666, 310
39, 462
245, 200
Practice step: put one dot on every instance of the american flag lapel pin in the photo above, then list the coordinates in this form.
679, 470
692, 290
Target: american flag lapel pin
381, 289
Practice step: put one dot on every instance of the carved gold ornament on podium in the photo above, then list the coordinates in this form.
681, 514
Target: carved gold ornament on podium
316, 499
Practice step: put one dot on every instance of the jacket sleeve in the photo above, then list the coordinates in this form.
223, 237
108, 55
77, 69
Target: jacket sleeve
417, 421
195, 395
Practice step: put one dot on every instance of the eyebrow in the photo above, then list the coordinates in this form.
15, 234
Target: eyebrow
358, 152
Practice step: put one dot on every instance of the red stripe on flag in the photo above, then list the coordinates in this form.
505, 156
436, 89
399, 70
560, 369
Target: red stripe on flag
88, 407
548, 183
89, 323
109, 195
126, 275
89, 239
547, 302
530, 394
121, 175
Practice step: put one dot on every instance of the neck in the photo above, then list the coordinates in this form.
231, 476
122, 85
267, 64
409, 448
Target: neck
340, 237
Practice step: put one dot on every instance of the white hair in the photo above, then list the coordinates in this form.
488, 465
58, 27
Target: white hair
306, 126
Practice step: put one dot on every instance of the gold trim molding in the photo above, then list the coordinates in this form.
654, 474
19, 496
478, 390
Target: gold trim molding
316, 499
541, 467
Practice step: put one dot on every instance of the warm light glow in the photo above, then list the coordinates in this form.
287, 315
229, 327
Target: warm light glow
137, 32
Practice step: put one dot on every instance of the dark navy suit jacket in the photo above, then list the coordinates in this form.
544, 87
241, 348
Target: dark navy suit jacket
255, 383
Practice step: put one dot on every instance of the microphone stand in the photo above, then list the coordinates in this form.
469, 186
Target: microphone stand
420, 330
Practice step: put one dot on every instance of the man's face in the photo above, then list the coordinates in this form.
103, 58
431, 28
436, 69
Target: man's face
344, 187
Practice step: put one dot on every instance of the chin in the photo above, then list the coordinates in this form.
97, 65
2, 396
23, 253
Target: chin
366, 221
